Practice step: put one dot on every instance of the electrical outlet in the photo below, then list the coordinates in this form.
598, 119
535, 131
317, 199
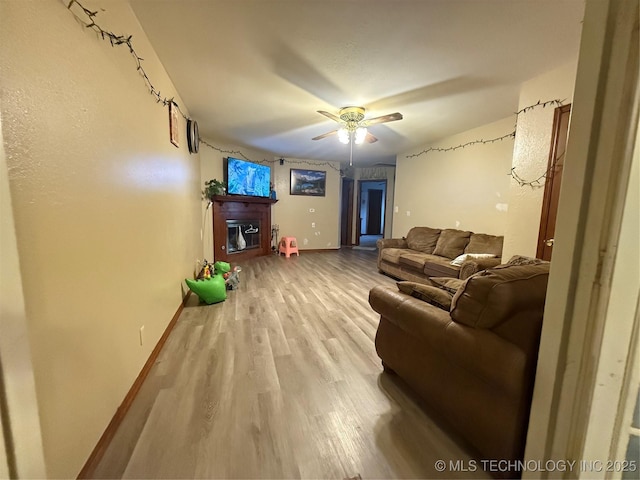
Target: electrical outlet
408, 213
396, 209
141, 335
313, 224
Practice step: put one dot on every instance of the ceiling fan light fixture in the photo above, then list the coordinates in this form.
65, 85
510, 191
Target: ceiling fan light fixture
360, 135
343, 135
352, 114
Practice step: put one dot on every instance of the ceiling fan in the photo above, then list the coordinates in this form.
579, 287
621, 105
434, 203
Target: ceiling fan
353, 125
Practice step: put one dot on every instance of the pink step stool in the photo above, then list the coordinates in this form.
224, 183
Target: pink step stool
288, 245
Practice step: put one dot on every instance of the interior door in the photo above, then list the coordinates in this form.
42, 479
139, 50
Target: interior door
346, 213
552, 184
374, 212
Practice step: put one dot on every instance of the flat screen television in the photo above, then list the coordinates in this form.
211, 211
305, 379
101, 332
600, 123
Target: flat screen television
248, 178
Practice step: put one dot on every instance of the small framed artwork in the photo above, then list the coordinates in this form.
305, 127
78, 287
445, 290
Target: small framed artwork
308, 182
173, 124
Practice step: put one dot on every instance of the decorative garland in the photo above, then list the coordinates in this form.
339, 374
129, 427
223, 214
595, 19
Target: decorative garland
116, 40
537, 182
462, 145
230, 152
522, 182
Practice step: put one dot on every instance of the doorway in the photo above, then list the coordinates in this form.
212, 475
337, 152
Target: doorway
371, 211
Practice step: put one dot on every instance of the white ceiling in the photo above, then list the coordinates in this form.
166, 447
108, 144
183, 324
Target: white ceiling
254, 72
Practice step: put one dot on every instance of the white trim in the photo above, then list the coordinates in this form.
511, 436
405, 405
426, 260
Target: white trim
602, 130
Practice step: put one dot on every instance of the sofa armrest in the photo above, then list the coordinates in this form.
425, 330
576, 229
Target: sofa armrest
414, 316
475, 265
392, 243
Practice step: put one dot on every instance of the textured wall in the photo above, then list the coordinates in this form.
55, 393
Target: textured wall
17, 384
106, 213
293, 212
465, 189
530, 157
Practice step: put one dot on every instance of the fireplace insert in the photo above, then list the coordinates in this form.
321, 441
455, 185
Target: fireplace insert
242, 235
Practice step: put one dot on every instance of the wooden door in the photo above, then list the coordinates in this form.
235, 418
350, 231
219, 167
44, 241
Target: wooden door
374, 212
346, 213
552, 184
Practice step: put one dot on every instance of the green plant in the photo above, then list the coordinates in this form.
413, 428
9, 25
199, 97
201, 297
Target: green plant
213, 187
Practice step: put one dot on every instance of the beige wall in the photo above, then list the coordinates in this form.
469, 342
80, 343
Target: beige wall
466, 188
530, 157
293, 213
107, 213
17, 384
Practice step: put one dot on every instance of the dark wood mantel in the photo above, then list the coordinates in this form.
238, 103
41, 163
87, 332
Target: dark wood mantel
240, 207
241, 199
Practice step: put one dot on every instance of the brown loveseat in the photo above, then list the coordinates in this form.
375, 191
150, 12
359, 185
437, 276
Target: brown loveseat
473, 362
428, 252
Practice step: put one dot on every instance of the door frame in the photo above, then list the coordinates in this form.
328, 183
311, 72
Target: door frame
564, 421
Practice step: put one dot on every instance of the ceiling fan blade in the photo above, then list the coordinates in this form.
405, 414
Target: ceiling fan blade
370, 138
392, 117
333, 117
324, 135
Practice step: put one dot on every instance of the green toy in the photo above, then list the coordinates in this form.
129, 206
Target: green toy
210, 290
221, 267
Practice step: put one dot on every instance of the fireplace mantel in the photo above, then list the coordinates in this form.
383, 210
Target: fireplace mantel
241, 199
239, 208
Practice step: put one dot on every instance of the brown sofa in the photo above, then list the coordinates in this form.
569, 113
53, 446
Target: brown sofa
473, 362
428, 252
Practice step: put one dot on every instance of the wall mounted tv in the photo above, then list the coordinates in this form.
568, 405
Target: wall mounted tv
248, 178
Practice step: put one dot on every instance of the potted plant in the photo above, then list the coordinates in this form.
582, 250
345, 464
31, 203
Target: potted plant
213, 187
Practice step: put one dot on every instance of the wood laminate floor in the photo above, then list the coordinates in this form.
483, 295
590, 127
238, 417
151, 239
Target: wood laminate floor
280, 381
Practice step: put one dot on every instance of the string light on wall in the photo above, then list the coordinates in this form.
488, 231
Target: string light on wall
87, 18
282, 161
538, 182
463, 145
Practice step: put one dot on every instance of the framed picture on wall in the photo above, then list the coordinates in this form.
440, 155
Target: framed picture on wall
308, 182
173, 124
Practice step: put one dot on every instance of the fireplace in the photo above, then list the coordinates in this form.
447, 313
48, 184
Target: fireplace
240, 221
242, 235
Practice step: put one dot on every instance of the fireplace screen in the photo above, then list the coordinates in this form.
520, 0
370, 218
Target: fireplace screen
242, 235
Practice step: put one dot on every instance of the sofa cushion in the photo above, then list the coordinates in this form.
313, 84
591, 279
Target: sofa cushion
451, 285
414, 260
423, 239
451, 243
491, 296
392, 255
460, 259
433, 295
440, 267
482, 243
522, 260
